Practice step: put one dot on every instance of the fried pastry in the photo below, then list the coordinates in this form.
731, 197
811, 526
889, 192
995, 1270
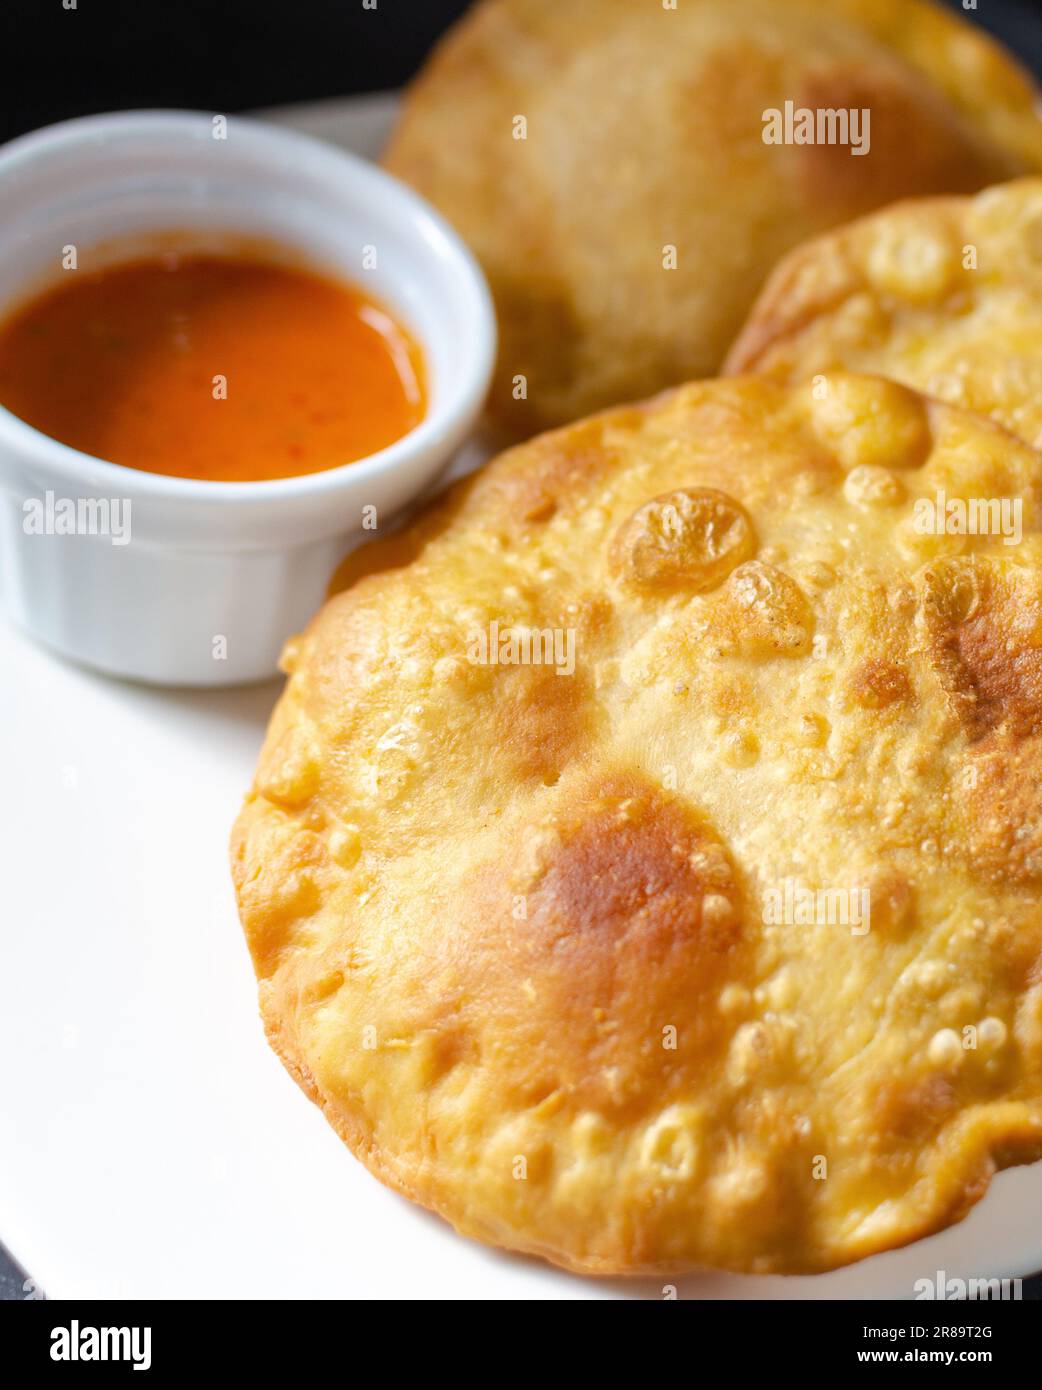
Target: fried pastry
643, 865
944, 294
608, 164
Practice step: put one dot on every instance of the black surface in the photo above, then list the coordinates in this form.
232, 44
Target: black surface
230, 55
233, 55
215, 55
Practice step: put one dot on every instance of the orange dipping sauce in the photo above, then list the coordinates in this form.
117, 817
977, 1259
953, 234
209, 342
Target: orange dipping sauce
211, 366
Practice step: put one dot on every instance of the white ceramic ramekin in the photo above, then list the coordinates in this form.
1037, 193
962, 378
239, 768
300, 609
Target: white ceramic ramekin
215, 576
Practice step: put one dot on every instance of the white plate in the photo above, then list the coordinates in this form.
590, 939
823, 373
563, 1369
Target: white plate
151, 1145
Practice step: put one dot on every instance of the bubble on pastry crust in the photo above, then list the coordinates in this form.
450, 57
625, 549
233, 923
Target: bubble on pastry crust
917, 265
290, 776
866, 421
818, 574
781, 992
687, 540
860, 321
718, 912
591, 1136
812, 730
951, 591
740, 748
926, 979
868, 485
289, 658
345, 845
742, 1185
946, 386
750, 1052
945, 1050
669, 1145
734, 999
991, 1034
766, 613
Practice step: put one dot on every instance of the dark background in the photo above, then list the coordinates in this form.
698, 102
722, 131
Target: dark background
232, 55
215, 55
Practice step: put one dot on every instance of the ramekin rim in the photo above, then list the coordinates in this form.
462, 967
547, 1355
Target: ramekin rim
462, 398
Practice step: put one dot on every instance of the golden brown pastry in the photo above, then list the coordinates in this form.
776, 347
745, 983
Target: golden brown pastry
643, 865
644, 146
942, 293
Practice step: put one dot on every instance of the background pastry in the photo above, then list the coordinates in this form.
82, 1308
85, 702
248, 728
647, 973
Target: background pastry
527, 926
942, 293
644, 145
